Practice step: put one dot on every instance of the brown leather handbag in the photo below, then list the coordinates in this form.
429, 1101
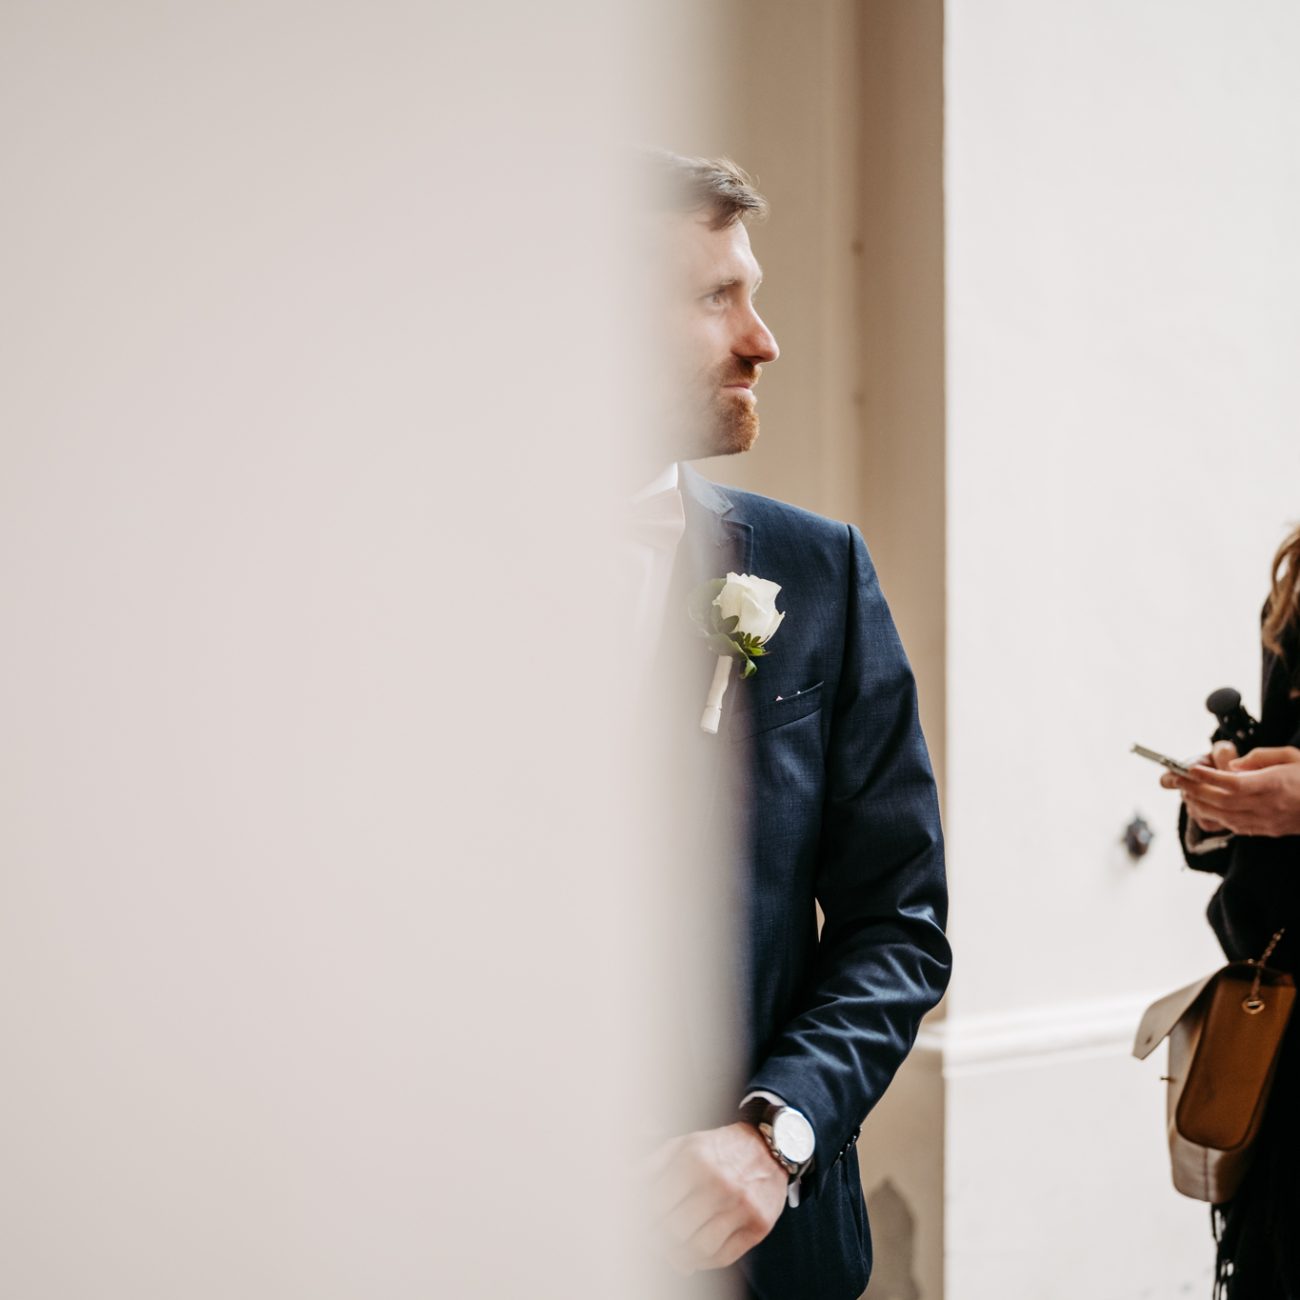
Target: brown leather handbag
1224, 1035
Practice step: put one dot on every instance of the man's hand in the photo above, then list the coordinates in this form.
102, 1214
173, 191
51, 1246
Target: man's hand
1257, 794
715, 1195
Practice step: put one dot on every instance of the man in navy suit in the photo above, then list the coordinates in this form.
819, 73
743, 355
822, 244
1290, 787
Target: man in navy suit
838, 804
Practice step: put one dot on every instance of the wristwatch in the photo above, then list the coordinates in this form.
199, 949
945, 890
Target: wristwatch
788, 1134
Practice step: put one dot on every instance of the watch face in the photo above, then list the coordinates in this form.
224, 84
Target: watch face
793, 1137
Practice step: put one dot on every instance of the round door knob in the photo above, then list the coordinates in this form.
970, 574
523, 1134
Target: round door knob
1137, 837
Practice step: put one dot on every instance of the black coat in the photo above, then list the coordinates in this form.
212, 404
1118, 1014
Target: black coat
1259, 1258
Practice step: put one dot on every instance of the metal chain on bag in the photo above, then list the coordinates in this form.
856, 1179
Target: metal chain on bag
1254, 1004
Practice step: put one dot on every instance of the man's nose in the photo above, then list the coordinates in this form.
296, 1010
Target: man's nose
758, 344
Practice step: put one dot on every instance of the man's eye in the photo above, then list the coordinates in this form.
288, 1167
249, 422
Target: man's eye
717, 297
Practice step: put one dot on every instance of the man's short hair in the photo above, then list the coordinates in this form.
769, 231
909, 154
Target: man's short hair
715, 185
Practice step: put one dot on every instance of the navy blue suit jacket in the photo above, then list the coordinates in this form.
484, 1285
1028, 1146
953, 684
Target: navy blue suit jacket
840, 809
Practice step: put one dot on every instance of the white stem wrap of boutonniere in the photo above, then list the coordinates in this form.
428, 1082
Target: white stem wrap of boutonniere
737, 616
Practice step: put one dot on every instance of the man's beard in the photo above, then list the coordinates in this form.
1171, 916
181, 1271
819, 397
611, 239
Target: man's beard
730, 424
735, 424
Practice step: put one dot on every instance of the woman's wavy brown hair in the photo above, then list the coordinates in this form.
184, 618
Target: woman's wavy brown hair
1283, 611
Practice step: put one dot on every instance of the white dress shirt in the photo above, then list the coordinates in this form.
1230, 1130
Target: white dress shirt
657, 520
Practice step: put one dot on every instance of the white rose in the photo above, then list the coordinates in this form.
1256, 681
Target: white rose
753, 601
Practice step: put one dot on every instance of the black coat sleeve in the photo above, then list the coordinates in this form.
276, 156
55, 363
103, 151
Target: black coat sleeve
883, 959
1216, 861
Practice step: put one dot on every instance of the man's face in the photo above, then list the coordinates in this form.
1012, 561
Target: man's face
716, 341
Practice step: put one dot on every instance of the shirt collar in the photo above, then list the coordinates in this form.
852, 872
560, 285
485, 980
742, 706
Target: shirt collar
665, 481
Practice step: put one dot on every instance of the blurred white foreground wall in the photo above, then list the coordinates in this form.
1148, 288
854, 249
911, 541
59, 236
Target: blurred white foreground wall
321, 936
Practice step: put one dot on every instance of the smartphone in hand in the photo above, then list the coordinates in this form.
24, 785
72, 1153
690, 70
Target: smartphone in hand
1173, 764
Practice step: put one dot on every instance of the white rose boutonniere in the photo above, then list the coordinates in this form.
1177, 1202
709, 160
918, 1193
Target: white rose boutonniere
737, 616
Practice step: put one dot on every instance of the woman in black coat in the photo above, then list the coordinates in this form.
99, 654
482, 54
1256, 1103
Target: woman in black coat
1241, 820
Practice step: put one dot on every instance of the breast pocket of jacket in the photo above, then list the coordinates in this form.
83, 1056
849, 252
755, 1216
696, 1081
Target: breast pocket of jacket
768, 714
785, 765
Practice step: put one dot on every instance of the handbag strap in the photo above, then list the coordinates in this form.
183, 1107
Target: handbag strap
1254, 1004
1160, 1017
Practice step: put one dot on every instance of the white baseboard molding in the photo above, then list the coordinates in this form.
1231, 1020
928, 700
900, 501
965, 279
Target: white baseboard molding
978, 1044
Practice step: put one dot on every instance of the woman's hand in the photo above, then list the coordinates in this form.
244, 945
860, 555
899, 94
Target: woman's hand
1221, 757
1257, 794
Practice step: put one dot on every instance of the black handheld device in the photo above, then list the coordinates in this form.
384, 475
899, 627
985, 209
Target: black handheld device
1235, 724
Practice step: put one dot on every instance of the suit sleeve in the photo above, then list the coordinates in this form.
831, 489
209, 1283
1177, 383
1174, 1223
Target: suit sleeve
883, 960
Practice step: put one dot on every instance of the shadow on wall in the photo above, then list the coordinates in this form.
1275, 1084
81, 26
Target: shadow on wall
893, 1236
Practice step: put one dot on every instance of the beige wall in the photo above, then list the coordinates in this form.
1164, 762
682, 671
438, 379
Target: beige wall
837, 108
